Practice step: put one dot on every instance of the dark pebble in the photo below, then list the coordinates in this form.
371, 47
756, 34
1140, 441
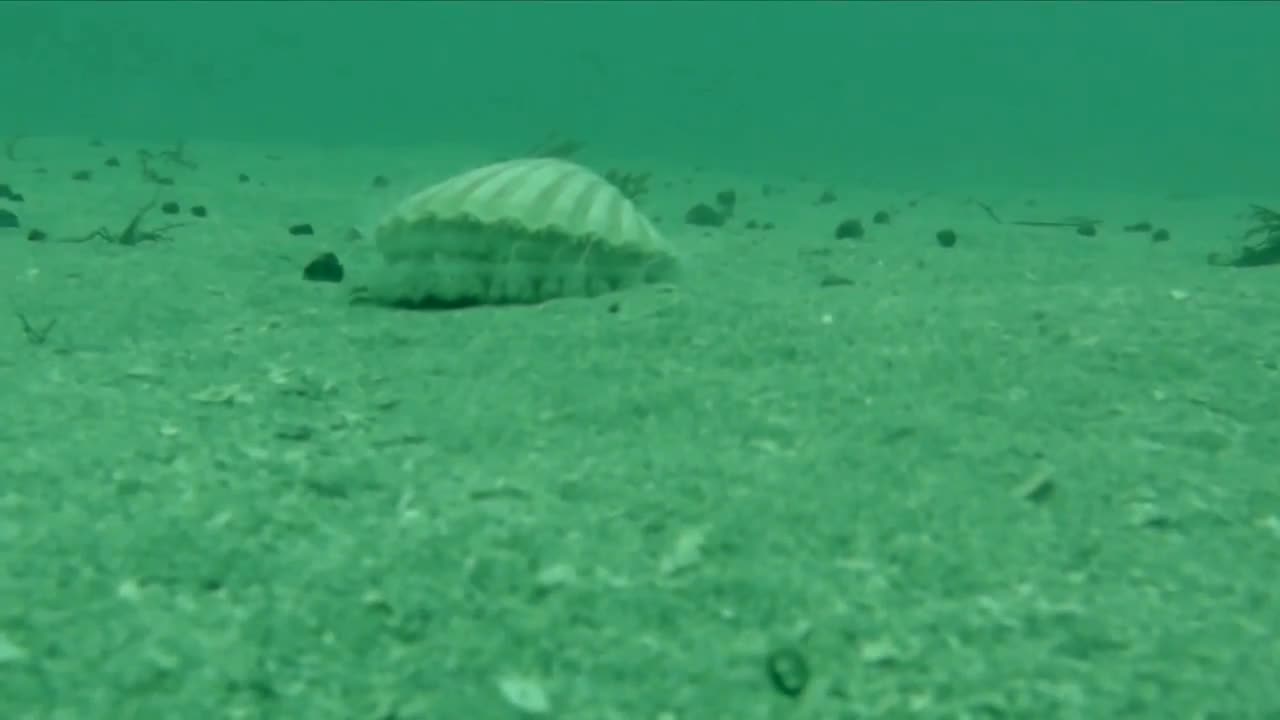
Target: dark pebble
703, 215
82, 175
199, 211
8, 219
1160, 235
1138, 227
37, 235
302, 229
381, 182
880, 218
243, 178
325, 268
170, 208
752, 225
788, 671
947, 238
112, 161
1087, 230
850, 229
727, 200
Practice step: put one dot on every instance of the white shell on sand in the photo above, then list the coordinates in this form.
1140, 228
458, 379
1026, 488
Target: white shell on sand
518, 231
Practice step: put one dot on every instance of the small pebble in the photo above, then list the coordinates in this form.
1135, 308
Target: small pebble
7, 193
880, 218
947, 237
199, 211
243, 178
112, 161
8, 219
302, 229
1139, 227
381, 181
37, 235
788, 671
324, 268
703, 215
82, 176
170, 208
826, 198
1087, 230
850, 229
727, 200
1160, 235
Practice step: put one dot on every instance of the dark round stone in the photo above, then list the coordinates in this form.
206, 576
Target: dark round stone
324, 268
703, 215
850, 229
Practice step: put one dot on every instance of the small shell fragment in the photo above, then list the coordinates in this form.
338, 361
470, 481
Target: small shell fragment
524, 693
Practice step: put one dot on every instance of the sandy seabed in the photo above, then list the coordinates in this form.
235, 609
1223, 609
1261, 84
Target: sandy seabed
1035, 474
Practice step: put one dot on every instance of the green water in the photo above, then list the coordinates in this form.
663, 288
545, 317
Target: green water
1167, 96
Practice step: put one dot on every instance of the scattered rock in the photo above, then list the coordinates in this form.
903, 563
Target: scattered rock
947, 237
37, 235
112, 161
880, 218
381, 181
82, 175
324, 268
302, 229
850, 229
727, 200
170, 208
703, 215
8, 219
199, 211
632, 185
7, 193
1160, 235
